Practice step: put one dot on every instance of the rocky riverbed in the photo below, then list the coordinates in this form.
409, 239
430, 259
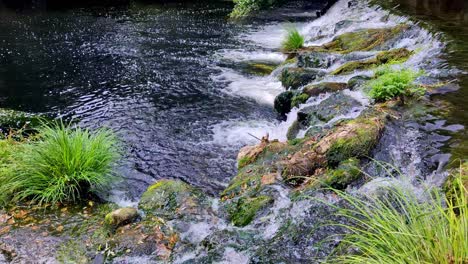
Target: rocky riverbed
276, 209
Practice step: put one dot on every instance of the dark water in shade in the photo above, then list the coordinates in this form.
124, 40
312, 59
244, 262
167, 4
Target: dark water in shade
145, 71
451, 18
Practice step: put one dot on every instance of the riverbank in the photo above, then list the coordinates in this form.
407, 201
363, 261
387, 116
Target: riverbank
275, 209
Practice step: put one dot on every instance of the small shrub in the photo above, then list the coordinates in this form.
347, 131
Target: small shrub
397, 228
244, 8
390, 84
62, 165
294, 40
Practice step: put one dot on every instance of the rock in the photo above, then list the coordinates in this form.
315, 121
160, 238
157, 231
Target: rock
293, 78
11, 119
323, 87
249, 154
259, 68
362, 40
357, 81
121, 217
282, 103
395, 55
172, 199
342, 24
315, 59
299, 99
347, 172
243, 211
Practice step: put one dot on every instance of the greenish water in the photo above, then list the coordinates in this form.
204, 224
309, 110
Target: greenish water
451, 18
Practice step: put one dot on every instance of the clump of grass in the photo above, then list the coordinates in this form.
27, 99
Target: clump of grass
244, 8
62, 165
397, 228
390, 84
293, 41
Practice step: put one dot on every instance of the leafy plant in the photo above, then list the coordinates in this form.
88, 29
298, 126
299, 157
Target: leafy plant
390, 84
62, 165
397, 228
294, 40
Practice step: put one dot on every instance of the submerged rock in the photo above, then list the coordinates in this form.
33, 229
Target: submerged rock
259, 68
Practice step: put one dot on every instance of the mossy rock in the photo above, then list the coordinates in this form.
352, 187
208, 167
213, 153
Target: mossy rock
357, 81
299, 99
347, 172
361, 136
283, 101
262, 69
293, 130
121, 216
335, 105
395, 55
244, 210
293, 78
171, 199
323, 87
314, 59
362, 40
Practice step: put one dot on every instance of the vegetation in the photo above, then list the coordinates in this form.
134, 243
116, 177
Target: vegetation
390, 84
61, 165
244, 8
397, 228
294, 40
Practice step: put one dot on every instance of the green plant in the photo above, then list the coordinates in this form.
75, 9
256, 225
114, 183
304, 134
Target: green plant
398, 228
244, 8
293, 41
390, 84
62, 165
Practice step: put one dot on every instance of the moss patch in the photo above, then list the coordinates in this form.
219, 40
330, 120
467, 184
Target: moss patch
244, 211
293, 78
395, 55
323, 87
299, 99
363, 40
261, 69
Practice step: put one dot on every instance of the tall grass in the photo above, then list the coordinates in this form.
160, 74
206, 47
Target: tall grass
398, 228
62, 165
293, 41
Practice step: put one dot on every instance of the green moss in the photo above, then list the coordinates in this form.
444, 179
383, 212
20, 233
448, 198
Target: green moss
244, 161
299, 99
244, 211
261, 69
293, 130
347, 172
360, 140
166, 197
384, 57
244, 8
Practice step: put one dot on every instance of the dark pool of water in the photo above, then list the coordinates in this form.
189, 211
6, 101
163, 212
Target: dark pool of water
145, 71
451, 18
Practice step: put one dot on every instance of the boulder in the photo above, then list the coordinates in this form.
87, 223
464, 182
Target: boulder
323, 87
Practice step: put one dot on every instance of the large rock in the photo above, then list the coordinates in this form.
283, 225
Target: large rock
335, 105
172, 199
293, 78
323, 87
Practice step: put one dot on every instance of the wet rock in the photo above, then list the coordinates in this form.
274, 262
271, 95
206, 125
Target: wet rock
282, 103
243, 211
249, 154
293, 78
259, 68
342, 24
395, 55
357, 82
315, 59
323, 87
299, 99
121, 217
347, 172
362, 40
172, 199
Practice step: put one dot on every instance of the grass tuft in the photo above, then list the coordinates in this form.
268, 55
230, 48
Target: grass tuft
293, 41
397, 228
62, 165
